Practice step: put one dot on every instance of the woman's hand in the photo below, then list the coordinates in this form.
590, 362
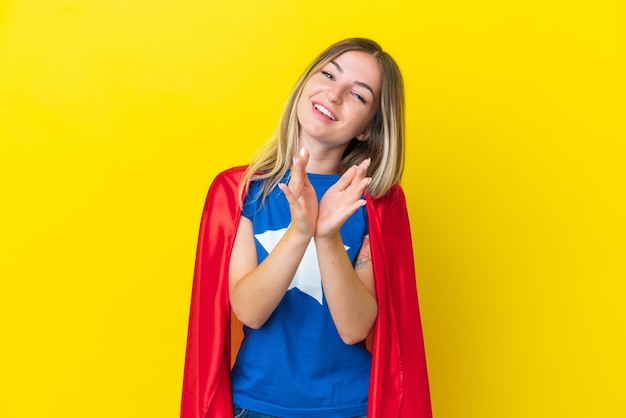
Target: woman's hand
342, 200
301, 197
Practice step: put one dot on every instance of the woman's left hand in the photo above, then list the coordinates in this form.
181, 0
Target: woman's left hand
342, 200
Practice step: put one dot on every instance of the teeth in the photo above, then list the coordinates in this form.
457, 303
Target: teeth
324, 111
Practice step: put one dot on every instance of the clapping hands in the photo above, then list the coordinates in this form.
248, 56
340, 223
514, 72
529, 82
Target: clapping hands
340, 201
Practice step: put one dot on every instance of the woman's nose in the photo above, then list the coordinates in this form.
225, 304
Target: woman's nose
334, 94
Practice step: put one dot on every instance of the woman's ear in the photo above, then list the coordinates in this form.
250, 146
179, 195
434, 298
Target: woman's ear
364, 136
367, 132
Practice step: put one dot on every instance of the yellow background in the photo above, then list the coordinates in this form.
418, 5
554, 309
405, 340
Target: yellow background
115, 116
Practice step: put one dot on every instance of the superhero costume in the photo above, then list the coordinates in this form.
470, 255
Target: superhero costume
398, 377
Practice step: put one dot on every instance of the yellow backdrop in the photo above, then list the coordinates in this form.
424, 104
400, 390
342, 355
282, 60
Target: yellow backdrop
115, 116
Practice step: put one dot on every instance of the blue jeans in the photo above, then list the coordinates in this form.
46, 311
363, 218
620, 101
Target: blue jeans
244, 413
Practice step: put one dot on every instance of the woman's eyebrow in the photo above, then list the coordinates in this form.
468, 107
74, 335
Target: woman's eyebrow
362, 84
358, 83
337, 66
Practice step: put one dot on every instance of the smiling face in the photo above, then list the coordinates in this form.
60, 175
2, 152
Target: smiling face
338, 102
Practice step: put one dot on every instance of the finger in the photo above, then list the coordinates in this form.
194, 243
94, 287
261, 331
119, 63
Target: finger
298, 172
291, 198
302, 158
346, 179
365, 164
362, 169
295, 178
360, 186
354, 174
360, 182
354, 206
306, 182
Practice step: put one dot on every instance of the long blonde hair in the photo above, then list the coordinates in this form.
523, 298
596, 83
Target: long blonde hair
385, 146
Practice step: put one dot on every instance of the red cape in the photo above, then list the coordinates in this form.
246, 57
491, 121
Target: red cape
398, 382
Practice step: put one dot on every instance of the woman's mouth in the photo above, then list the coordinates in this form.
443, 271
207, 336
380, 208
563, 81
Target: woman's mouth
324, 111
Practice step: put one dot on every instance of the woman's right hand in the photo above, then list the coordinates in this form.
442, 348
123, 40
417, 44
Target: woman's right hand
301, 197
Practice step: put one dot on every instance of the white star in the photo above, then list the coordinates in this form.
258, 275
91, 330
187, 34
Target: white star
307, 278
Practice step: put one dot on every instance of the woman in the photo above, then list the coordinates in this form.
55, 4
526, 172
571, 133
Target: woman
303, 262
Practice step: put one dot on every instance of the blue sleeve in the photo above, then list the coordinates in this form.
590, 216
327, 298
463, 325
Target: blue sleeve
252, 200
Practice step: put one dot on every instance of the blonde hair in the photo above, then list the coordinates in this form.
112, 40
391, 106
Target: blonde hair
385, 146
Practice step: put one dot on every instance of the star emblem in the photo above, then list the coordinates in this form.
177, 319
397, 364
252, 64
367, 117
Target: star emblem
307, 278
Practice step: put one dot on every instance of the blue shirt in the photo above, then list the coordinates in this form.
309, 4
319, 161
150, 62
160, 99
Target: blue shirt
296, 365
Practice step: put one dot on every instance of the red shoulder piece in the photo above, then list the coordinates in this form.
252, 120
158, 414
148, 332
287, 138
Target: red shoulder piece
206, 384
399, 380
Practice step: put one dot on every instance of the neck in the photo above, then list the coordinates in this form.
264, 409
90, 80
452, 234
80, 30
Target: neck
323, 160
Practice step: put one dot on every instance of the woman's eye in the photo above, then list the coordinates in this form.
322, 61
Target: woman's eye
359, 97
327, 74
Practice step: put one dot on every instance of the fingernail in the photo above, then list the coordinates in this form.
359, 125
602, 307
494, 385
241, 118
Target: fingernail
302, 151
367, 162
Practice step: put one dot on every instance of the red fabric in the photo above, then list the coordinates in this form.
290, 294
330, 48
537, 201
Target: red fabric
399, 381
